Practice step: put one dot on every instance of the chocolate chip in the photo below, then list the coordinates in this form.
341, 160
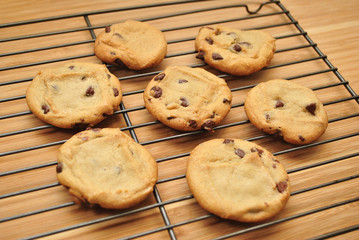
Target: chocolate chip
113, 53
184, 102
45, 108
236, 48
90, 91
226, 141
213, 115
301, 138
59, 167
225, 100
200, 54
274, 166
115, 92
108, 76
169, 118
71, 67
239, 152
209, 40
267, 117
182, 81
83, 78
217, 32
208, 125
282, 186
217, 56
279, 103
260, 151
311, 108
117, 35
244, 43
159, 77
107, 29
157, 91
192, 123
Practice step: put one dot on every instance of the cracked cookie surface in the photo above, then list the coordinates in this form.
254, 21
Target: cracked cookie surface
76, 94
188, 99
235, 51
288, 109
135, 44
106, 167
237, 179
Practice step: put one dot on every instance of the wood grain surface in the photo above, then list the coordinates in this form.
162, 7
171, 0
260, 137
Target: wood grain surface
324, 175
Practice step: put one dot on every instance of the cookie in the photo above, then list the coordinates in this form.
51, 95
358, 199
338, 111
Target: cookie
106, 167
287, 109
235, 51
238, 180
74, 95
136, 45
188, 99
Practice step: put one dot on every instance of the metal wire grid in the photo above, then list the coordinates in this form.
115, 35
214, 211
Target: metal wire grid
130, 127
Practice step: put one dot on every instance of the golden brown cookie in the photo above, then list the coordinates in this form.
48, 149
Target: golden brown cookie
76, 94
237, 179
235, 51
288, 109
188, 99
106, 167
137, 45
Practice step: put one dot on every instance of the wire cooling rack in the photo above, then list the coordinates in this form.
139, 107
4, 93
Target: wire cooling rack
34, 205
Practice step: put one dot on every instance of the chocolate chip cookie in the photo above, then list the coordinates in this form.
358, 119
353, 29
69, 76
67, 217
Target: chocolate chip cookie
188, 99
237, 179
106, 167
137, 45
235, 51
287, 109
76, 94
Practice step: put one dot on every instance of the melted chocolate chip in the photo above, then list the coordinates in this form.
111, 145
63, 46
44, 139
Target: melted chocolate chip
237, 48
226, 141
115, 92
182, 81
279, 103
117, 35
192, 123
45, 108
260, 151
157, 91
239, 152
301, 138
71, 67
184, 102
59, 167
244, 43
209, 40
200, 54
217, 56
107, 29
83, 78
311, 108
281, 186
225, 100
90, 91
208, 125
267, 117
159, 77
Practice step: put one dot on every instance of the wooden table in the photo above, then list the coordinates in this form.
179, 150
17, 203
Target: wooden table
317, 46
